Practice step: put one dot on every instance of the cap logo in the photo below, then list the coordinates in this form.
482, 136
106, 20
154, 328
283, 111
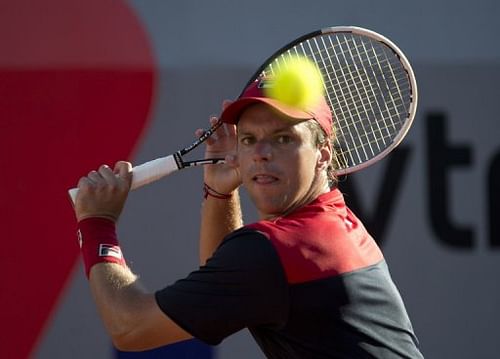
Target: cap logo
265, 83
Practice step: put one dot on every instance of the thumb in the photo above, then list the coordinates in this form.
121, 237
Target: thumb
231, 160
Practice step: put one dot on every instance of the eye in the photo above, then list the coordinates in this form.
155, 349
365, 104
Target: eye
284, 139
247, 140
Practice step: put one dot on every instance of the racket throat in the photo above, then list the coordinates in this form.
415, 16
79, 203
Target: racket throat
178, 160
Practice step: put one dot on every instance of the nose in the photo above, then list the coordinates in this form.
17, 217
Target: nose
262, 151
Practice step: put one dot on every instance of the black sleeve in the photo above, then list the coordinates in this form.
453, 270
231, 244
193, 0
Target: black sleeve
242, 285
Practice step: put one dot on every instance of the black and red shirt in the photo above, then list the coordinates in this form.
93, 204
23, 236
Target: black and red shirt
312, 284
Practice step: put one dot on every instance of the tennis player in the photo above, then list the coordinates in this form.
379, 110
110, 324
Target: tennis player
307, 280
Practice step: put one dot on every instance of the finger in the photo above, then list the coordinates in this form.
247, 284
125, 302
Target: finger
226, 103
124, 170
85, 183
107, 174
213, 120
217, 134
231, 130
209, 141
199, 132
95, 177
221, 131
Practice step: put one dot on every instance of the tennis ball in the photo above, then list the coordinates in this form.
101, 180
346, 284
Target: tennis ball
298, 83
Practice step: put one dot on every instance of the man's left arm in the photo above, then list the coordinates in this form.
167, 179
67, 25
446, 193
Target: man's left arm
130, 314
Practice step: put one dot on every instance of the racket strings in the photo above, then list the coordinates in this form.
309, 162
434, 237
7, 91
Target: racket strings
366, 86
344, 152
350, 73
345, 111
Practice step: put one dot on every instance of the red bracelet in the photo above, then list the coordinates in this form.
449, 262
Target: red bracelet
208, 191
99, 243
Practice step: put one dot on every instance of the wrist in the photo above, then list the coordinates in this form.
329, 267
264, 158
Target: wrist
85, 216
210, 192
99, 243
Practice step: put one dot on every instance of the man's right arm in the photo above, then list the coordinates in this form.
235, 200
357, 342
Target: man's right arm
220, 215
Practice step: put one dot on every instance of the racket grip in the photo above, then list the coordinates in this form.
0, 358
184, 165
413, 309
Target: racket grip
153, 170
146, 173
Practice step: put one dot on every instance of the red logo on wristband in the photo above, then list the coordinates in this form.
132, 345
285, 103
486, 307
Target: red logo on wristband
109, 250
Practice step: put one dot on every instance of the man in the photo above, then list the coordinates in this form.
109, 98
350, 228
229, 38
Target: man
307, 280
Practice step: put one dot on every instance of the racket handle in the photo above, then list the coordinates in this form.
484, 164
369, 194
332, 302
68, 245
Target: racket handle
146, 173
153, 170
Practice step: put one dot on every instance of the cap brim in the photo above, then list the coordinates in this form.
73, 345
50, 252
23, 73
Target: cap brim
233, 112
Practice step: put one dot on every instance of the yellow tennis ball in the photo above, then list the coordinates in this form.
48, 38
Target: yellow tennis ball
298, 83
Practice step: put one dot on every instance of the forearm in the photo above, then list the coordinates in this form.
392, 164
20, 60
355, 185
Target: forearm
116, 292
219, 217
130, 314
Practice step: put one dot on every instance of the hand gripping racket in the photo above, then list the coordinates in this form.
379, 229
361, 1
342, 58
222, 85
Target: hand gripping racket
369, 85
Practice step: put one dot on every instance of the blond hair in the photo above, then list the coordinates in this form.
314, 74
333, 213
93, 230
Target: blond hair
320, 138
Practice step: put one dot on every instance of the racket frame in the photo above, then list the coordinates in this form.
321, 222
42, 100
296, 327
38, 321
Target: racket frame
389, 44
153, 170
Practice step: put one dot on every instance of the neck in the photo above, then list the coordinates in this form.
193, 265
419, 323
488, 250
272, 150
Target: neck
318, 187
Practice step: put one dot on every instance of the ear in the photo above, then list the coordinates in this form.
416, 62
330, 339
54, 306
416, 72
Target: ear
324, 157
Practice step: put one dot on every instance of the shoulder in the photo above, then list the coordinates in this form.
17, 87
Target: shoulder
245, 238
320, 240
246, 248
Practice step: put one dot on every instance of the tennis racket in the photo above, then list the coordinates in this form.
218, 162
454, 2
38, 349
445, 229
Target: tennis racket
369, 85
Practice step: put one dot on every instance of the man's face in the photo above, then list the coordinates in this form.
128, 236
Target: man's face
278, 162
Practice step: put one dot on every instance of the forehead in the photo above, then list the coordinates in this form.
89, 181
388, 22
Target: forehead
262, 116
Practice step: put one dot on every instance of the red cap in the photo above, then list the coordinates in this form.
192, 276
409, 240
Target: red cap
319, 111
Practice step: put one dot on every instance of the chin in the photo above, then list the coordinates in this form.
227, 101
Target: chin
270, 203
267, 210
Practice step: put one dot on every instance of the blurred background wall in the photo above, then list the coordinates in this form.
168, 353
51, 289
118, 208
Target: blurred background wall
90, 82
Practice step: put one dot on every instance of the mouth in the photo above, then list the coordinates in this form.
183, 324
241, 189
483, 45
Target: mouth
264, 179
